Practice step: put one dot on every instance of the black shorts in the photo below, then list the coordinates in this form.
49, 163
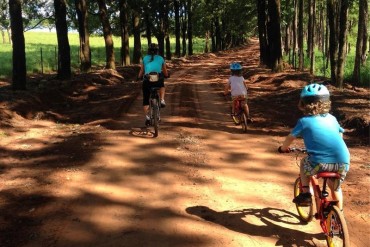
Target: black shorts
146, 88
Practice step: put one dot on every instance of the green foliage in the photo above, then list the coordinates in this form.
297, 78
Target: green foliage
47, 42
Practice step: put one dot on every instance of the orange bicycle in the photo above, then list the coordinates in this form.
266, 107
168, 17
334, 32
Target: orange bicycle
331, 218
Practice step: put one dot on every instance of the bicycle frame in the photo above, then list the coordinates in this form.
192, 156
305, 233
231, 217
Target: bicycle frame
322, 203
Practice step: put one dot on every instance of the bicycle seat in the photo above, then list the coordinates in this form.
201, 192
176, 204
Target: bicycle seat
328, 175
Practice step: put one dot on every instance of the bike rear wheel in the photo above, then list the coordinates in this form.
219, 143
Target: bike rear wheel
305, 212
244, 122
337, 230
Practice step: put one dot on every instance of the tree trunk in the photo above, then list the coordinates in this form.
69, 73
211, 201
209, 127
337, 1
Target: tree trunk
64, 50
166, 26
333, 48
274, 36
295, 34
85, 51
206, 46
262, 33
343, 30
366, 35
300, 36
148, 29
19, 55
107, 32
125, 46
177, 28
359, 43
137, 41
183, 30
311, 45
190, 28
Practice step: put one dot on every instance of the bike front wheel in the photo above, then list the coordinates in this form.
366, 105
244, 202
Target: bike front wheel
337, 230
305, 212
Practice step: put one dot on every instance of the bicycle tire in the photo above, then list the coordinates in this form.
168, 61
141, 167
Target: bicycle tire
244, 122
305, 212
337, 230
155, 117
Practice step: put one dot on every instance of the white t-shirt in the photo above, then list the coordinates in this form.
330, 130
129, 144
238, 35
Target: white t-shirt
237, 86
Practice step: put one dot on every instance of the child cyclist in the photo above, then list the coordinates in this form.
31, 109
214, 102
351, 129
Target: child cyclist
323, 138
237, 87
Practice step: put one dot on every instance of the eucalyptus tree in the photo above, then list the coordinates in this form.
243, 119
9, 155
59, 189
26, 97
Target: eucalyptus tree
83, 31
337, 12
107, 32
64, 50
362, 35
19, 54
125, 45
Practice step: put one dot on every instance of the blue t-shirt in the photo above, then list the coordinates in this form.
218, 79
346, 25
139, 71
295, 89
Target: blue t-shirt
321, 135
153, 66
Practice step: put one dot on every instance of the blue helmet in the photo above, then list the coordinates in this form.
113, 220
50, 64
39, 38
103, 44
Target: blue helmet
235, 66
314, 92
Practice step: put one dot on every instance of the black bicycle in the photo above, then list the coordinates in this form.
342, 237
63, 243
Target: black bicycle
154, 109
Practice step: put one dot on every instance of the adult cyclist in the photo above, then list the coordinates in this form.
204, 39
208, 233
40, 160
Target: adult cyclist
152, 66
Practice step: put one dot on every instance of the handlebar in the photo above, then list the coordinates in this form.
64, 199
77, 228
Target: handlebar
293, 149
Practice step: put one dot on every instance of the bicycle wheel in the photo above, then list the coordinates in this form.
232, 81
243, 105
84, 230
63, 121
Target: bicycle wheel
243, 121
155, 117
305, 212
337, 231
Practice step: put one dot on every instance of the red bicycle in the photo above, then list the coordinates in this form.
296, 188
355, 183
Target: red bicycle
331, 218
239, 117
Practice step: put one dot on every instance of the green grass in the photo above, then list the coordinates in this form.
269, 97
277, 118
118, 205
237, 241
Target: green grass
45, 43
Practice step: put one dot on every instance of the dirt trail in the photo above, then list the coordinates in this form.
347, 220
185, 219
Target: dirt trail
200, 183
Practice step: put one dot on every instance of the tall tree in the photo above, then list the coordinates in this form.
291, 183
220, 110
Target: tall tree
190, 27
64, 51
262, 32
311, 34
342, 38
125, 46
361, 39
19, 54
85, 51
107, 32
177, 27
137, 41
300, 36
274, 36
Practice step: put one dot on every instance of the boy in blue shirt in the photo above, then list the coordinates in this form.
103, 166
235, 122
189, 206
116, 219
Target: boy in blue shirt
323, 138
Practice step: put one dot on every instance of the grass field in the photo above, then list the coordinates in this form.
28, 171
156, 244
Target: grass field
41, 54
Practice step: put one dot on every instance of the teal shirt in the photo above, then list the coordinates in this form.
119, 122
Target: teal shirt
153, 66
321, 135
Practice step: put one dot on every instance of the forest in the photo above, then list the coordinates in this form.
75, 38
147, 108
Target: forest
313, 35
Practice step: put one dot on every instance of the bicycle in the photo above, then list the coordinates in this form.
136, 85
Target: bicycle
330, 216
239, 117
154, 109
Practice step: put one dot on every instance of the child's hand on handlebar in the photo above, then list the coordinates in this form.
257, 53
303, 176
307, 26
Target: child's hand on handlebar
281, 150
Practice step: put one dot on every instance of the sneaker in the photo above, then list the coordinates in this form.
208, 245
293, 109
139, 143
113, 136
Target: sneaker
147, 120
303, 199
163, 103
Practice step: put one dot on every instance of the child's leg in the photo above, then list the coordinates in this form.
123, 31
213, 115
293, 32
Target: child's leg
246, 109
232, 106
336, 193
305, 180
